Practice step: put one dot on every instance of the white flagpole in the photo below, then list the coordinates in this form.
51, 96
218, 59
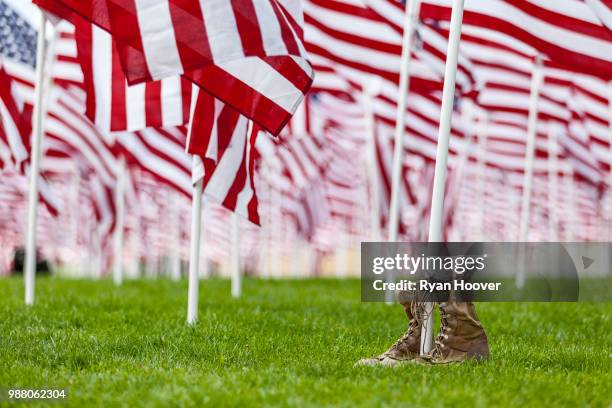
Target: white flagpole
276, 254
410, 22
37, 135
194, 254
120, 224
235, 257
341, 255
532, 123
437, 200
482, 172
175, 224
610, 140
204, 264
553, 183
264, 252
371, 162
75, 213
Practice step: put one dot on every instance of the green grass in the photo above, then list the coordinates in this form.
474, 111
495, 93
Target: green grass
285, 343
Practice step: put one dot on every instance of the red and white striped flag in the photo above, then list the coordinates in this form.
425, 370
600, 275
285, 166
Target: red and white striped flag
603, 11
248, 54
567, 31
160, 153
15, 130
112, 104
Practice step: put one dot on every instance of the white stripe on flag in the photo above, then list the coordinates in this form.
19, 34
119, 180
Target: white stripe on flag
225, 172
246, 194
158, 40
260, 76
270, 29
172, 101
219, 17
102, 76
135, 107
13, 134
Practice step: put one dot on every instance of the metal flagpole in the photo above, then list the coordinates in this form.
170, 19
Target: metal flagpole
235, 257
341, 249
204, 264
120, 224
482, 172
573, 220
75, 212
194, 252
610, 133
264, 249
37, 135
175, 224
371, 89
276, 261
437, 200
371, 162
553, 183
410, 22
532, 123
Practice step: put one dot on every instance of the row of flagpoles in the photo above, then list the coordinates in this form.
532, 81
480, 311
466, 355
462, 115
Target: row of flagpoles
372, 88
435, 232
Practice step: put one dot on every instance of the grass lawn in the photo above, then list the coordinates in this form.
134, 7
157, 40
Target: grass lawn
285, 343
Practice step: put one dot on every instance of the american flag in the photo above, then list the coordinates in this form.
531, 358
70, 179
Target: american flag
115, 106
18, 49
17, 38
248, 54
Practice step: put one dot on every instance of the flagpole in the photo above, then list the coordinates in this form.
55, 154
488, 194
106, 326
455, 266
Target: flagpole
264, 261
194, 252
37, 135
482, 170
75, 211
532, 123
610, 141
120, 224
553, 183
175, 224
410, 22
370, 90
276, 253
341, 255
235, 257
568, 178
204, 264
437, 200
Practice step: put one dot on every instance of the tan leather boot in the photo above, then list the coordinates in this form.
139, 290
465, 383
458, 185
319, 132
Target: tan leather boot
406, 348
461, 335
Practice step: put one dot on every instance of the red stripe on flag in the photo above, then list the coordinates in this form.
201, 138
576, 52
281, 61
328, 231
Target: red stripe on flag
189, 32
118, 102
84, 41
201, 125
291, 70
246, 100
286, 33
250, 34
153, 105
124, 24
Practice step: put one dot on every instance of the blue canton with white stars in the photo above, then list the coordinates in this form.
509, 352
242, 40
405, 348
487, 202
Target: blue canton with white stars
17, 37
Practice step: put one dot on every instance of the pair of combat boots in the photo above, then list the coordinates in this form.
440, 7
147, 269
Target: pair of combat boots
461, 337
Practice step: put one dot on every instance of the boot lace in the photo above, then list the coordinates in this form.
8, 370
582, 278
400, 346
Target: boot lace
413, 324
439, 345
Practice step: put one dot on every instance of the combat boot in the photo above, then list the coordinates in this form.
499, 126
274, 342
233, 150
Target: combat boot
406, 348
461, 336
